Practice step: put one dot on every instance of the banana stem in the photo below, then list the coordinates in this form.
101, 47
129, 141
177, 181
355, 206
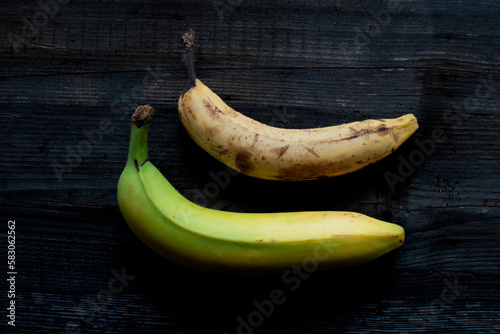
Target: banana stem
188, 39
138, 149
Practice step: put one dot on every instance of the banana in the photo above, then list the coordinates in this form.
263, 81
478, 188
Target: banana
273, 153
229, 242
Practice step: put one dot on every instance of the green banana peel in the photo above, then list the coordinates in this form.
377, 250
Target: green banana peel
228, 242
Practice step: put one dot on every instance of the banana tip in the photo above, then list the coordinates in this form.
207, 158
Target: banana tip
410, 118
142, 115
400, 237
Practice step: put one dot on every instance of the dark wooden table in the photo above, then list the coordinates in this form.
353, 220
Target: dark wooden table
66, 66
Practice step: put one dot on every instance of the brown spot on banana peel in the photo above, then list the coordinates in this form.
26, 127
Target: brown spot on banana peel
255, 139
223, 152
212, 110
181, 116
280, 150
212, 131
187, 110
311, 150
395, 137
356, 133
382, 130
242, 161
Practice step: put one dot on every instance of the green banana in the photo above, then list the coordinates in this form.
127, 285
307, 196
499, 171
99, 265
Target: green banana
228, 242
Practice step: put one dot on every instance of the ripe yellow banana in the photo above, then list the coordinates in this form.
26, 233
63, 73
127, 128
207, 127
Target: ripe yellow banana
227, 242
272, 153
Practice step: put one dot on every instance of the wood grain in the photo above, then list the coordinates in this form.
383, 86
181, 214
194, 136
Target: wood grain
70, 85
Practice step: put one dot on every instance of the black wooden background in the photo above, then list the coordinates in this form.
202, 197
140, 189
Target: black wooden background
73, 71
